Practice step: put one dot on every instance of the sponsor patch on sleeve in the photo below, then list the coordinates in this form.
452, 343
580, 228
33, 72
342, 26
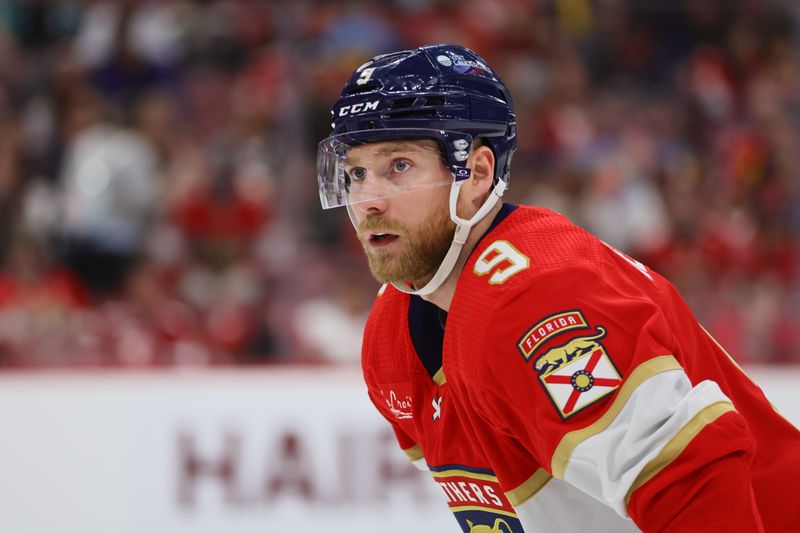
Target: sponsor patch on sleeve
574, 374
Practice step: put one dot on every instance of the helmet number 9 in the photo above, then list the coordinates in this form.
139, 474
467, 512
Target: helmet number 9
502, 260
366, 74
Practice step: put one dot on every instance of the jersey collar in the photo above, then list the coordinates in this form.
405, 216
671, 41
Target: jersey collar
505, 210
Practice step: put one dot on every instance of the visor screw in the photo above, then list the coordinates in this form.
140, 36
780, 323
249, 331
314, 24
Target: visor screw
460, 155
460, 144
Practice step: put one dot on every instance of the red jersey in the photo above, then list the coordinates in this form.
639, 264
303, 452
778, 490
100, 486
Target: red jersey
573, 390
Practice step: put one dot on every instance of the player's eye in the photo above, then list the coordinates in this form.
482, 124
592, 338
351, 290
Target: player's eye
401, 165
357, 174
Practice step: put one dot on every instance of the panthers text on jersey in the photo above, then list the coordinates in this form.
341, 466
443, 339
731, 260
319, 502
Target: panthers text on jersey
570, 388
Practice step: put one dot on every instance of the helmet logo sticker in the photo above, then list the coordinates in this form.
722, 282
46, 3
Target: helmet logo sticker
461, 64
444, 60
360, 107
463, 173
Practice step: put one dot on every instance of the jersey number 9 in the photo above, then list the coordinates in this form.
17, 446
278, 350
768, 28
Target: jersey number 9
502, 260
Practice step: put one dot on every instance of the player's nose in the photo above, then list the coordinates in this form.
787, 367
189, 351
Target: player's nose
371, 205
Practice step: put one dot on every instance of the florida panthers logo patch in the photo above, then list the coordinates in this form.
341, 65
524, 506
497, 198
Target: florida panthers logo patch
578, 373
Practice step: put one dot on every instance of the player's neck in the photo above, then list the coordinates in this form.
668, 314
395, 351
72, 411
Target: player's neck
443, 296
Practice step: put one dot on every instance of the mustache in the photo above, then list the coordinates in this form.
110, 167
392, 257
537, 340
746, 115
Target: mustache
376, 224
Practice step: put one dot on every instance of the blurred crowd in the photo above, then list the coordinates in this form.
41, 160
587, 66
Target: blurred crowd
158, 202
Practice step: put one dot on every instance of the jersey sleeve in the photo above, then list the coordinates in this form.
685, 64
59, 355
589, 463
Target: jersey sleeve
380, 339
585, 373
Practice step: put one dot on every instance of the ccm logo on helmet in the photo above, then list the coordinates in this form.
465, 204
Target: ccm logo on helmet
361, 107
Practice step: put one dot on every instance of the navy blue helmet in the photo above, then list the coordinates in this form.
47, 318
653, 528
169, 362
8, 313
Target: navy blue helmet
442, 92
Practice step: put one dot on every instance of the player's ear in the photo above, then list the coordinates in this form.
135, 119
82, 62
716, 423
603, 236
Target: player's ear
482, 162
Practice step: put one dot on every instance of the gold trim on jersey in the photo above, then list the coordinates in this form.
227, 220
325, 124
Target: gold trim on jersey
679, 441
463, 473
382, 289
640, 374
484, 509
529, 487
414, 453
439, 378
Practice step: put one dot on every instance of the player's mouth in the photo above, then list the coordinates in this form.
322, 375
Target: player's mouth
380, 239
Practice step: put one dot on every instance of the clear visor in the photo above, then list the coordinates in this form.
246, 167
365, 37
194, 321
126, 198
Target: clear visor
352, 172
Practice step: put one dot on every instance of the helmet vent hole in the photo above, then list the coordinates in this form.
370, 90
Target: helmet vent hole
434, 100
403, 103
366, 88
414, 113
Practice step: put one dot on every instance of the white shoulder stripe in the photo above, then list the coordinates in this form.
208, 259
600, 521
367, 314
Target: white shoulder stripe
607, 464
558, 506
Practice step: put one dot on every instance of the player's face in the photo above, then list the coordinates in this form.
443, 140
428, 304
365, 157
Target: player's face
405, 236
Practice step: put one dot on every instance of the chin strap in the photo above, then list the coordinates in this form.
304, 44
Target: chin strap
463, 228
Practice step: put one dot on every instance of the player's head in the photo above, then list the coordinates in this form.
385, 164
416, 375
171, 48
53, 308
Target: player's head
442, 101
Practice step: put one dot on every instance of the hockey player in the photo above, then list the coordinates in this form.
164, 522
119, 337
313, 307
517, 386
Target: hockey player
546, 380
